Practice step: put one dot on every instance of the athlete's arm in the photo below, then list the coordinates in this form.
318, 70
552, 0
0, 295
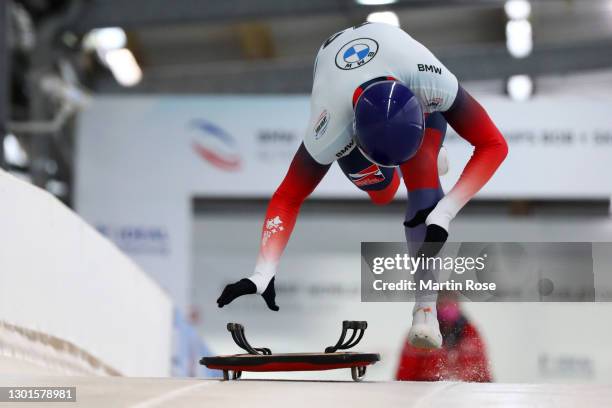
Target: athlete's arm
303, 176
471, 122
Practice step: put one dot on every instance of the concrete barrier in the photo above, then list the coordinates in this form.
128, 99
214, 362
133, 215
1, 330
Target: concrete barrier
60, 279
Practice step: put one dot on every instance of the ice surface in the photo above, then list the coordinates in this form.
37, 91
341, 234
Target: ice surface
160, 392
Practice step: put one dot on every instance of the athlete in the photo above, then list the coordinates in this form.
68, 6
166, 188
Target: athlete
380, 105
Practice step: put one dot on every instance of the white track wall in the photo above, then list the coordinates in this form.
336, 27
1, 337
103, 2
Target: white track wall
60, 277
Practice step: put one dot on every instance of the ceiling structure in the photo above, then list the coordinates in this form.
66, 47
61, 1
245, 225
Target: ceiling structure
255, 46
268, 46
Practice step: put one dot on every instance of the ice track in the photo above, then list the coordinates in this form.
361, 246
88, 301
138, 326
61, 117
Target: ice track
160, 392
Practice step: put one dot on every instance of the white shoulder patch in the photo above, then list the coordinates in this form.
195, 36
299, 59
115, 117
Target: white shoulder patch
327, 143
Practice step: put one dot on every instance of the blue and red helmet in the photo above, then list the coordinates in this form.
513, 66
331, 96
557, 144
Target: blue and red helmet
389, 122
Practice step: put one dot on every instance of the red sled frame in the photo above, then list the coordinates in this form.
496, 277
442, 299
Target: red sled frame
262, 360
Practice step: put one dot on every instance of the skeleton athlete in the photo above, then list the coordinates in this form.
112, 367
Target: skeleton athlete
380, 105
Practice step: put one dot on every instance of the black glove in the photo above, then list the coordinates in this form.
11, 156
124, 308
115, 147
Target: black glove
247, 287
419, 217
435, 236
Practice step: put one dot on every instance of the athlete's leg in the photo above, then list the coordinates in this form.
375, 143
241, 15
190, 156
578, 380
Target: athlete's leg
421, 177
381, 183
423, 186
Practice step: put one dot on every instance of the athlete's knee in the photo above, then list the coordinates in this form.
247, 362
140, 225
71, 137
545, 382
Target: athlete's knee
421, 171
385, 195
380, 197
422, 199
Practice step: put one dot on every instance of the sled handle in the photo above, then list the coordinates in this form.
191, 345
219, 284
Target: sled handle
237, 331
358, 329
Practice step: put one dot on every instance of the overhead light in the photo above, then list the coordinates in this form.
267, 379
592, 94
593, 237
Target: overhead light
375, 2
110, 45
517, 9
520, 87
14, 153
124, 67
519, 40
387, 17
104, 39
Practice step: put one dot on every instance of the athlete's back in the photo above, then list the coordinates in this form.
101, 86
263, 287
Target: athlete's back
356, 55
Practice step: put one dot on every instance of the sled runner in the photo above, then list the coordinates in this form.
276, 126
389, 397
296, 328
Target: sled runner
262, 359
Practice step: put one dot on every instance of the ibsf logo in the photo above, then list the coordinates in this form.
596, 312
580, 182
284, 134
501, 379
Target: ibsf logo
216, 146
321, 125
368, 176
